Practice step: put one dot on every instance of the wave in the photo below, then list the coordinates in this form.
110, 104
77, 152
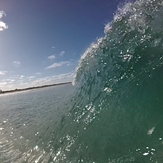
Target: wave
117, 109
134, 35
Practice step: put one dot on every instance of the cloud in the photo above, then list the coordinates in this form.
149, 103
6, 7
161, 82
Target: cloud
51, 57
32, 81
58, 64
3, 25
3, 83
53, 79
11, 81
38, 73
3, 72
63, 76
21, 77
17, 64
62, 53
31, 77
8, 80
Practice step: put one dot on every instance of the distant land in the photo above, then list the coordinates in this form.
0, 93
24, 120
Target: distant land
31, 88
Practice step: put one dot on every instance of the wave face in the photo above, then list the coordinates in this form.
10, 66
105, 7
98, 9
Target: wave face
117, 110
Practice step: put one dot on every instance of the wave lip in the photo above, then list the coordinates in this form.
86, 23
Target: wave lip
134, 25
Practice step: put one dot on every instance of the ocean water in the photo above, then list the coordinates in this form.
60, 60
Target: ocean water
29, 121
113, 113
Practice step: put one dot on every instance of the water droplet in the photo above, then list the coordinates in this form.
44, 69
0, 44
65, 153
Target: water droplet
152, 149
36, 133
150, 131
36, 148
145, 154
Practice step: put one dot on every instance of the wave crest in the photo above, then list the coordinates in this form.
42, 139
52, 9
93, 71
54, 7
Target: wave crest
136, 26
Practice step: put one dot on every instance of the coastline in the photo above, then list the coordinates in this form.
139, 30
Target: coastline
31, 88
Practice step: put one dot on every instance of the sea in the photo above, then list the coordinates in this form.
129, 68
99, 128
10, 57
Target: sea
113, 111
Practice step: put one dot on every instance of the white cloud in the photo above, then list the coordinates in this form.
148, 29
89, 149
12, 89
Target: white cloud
38, 73
11, 81
63, 76
3, 25
58, 64
7, 80
53, 79
1, 14
21, 77
17, 64
16, 82
3, 72
31, 77
62, 53
3, 83
51, 57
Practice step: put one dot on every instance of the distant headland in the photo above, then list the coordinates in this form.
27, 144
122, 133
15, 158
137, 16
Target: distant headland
31, 88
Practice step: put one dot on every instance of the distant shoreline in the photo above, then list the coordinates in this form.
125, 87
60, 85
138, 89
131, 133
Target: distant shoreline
31, 88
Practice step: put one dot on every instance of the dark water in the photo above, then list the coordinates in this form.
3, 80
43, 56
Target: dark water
114, 112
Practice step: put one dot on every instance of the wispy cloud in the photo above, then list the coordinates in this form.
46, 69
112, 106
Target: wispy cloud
53, 79
1, 14
38, 73
3, 83
51, 57
3, 72
62, 53
58, 64
31, 77
3, 25
11, 81
17, 64
31, 81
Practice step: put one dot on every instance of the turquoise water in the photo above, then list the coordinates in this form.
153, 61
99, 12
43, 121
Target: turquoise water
114, 111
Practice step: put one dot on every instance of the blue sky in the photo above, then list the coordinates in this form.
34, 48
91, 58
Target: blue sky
41, 41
